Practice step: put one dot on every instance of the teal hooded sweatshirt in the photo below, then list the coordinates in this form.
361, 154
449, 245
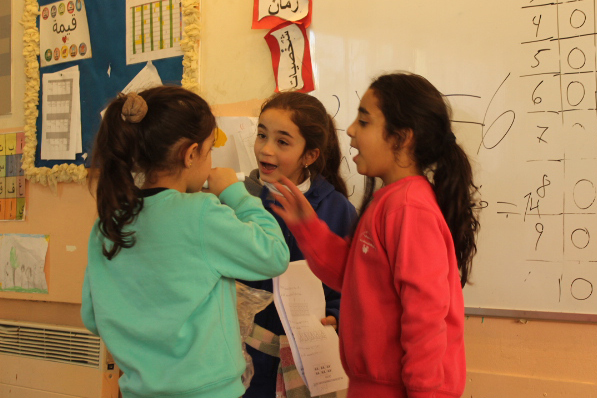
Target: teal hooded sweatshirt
166, 307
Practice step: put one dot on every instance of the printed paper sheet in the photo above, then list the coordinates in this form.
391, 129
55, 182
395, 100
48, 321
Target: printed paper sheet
300, 301
61, 115
153, 30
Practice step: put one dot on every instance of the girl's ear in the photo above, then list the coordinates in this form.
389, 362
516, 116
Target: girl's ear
409, 138
311, 156
191, 155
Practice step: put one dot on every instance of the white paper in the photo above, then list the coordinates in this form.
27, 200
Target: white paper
292, 51
300, 301
61, 115
63, 32
22, 262
290, 10
147, 77
238, 151
153, 30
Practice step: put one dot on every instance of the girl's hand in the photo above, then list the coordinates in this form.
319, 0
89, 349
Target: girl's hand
295, 207
331, 321
219, 179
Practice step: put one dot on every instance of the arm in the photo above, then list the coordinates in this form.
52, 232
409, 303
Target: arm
420, 259
87, 312
339, 214
246, 242
326, 252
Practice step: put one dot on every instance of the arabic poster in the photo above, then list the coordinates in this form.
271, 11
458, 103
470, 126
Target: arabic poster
61, 115
12, 177
291, 58
22, 262
5, 66
153, 30
63, 32
268, 14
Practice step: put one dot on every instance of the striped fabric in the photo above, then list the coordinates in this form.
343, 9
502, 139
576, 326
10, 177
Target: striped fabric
289, 384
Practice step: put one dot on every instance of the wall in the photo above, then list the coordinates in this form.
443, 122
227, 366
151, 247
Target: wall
506, 358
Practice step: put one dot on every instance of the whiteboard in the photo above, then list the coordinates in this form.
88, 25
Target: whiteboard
521, 79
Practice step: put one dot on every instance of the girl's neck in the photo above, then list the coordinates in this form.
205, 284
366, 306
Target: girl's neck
170, 181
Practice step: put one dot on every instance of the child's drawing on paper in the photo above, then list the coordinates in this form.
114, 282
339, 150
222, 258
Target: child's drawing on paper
22, 261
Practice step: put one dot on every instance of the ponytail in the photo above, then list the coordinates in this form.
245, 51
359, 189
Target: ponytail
118, 199
454, 190
145, 133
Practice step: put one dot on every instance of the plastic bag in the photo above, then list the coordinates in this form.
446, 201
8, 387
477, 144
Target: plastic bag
249, 301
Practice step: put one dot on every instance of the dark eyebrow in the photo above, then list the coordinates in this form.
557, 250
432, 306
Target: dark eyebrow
363, 110
262, 126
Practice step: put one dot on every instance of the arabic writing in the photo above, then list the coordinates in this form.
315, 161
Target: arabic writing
63, 29
289, 10
292, 48
280, 6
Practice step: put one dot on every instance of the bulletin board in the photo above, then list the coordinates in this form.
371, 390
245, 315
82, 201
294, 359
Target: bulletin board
521, 79
102, 77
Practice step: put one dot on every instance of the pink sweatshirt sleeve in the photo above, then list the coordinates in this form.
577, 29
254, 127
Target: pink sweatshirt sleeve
417, 249
325, 251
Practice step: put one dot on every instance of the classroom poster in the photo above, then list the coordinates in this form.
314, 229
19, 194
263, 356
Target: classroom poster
268, 14
153, 30
64, 32
22, 262
12, 177
61, 115
236, 149
5, 53
291, 58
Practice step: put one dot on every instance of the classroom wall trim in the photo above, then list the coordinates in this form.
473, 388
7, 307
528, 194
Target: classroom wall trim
42, 360
72, 172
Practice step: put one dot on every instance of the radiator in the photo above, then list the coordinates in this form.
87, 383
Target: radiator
50, 361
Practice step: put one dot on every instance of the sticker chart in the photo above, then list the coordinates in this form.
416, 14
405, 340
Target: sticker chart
153, 30
12, 178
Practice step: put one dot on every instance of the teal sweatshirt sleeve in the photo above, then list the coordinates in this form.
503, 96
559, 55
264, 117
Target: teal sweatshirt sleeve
247, 242
87, 312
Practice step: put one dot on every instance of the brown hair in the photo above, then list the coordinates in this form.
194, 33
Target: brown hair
319, 131
176, 118
409, 101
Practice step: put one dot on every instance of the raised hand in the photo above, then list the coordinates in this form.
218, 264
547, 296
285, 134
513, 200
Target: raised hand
295, 207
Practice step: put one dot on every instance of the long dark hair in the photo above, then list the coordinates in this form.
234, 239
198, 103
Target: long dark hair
410, 101
175, 120
318, 129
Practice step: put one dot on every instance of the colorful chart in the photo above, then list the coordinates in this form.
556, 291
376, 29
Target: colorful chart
12, 178
154, 30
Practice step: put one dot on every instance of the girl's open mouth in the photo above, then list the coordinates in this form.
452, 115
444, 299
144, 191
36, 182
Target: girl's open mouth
267, 167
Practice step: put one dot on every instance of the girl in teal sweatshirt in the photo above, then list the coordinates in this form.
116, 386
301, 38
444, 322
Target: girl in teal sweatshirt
160, 281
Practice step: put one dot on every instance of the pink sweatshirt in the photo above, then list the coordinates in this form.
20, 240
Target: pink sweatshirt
402, 310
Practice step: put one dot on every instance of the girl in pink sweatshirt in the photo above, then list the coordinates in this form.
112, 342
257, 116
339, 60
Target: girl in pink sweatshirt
401, 275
